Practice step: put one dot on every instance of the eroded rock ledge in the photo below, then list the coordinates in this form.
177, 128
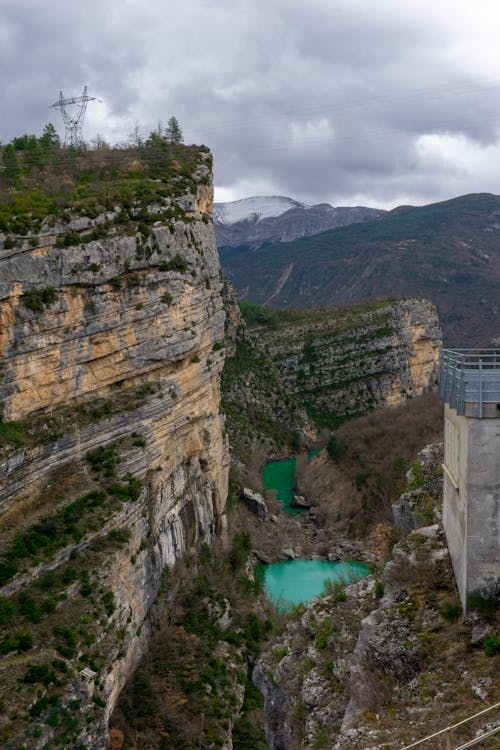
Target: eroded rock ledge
111, 353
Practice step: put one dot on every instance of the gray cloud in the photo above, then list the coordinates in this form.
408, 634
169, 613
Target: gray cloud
345, 101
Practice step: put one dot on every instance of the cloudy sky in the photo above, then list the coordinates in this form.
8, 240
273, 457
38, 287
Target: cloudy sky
374, 102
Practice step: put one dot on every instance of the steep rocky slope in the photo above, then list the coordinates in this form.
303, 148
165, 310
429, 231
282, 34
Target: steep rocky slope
385, 661
113, 461
295, 370
446, 252
245, 225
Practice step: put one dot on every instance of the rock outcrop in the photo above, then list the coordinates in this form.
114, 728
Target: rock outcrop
253, 222
389, 660
111, 353
356, 359
300, 369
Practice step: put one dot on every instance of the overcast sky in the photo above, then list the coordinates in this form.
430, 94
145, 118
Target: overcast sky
373, 102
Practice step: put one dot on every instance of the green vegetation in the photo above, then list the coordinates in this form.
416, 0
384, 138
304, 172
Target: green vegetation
41, 179
69, 524
173, 133
491, 644
38, 299
196, 661
382, 255
255, 314
342, 317
45, 428
177, 263
252, 416
336, 448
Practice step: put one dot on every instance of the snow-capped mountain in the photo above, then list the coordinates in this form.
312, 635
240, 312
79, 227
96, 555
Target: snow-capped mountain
254, 209
252, 222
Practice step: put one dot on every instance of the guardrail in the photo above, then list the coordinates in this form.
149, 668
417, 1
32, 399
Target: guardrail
470, 376
446, 734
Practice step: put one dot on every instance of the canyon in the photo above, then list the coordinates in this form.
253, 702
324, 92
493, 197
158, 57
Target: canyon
138, 400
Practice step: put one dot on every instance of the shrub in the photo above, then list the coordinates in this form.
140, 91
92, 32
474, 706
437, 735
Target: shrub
491, 644
240, 550
37, 300
177, 263
167, 298
7, 609
115, 282
11, 433
335, 589
450, 611
68, 239
336, 448
19, 641
255, 314
30, 608
39, 673
108, 600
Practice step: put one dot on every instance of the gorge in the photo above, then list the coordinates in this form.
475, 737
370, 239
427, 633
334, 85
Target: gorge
138, 401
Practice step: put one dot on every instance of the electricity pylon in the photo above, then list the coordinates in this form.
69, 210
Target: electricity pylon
73, 123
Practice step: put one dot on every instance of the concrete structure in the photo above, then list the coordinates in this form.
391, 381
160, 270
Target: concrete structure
470, 388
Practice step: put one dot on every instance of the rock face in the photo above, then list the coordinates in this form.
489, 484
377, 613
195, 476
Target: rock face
251, 223
304, 676
418, 505
404, 253
347, 361
255, 503
381, 663
112, 349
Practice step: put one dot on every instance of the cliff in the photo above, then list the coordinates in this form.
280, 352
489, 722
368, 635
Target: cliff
113, 461
388, 660
296, 370
445, 252
350, 360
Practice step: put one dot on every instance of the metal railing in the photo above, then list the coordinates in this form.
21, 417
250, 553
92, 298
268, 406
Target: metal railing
446, 734
470, 376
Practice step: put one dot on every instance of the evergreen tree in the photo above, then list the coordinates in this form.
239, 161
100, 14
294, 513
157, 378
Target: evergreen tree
10, 164
173, 131
49, 139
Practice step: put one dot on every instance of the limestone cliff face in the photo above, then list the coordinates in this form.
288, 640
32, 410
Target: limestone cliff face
359, 358
301, 368
111, 352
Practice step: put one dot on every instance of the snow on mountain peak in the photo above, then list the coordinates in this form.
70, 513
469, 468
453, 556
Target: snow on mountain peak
257, 208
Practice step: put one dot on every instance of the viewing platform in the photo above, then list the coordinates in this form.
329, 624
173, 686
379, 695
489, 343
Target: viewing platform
470, 381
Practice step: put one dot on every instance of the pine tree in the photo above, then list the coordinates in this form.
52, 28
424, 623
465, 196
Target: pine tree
173, 132
10, 164
49, 140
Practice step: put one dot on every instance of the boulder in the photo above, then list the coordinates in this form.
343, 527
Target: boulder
255, 503
299, 502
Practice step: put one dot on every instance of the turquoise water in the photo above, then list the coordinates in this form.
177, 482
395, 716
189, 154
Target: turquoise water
313, 452
280, 477
295, 581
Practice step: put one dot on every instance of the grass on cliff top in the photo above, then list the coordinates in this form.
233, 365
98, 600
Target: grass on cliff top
40, 179
279, 318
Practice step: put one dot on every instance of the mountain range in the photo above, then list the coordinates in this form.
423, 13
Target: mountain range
448, 252
253, 222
